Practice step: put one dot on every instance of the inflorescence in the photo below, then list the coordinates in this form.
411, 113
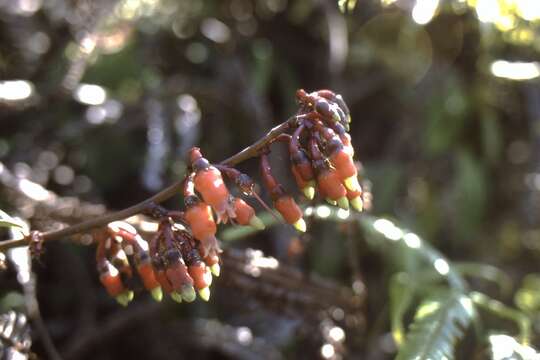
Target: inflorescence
183, 256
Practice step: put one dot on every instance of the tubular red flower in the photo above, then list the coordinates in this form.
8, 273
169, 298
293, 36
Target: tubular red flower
356, 199
244, 212
269, 181
201, 222
211, 259
148, 277
343, 163
177, 274
198, 272
330, 184
288, 208
209, 183
161, 277
298, 178
111, 280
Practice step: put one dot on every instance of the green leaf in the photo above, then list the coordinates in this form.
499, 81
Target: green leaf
486, 272
492, 137
240, 232
9, 223
438, 324
471, 190
403, 241
496, 307
527, 298
446, 118
401, 298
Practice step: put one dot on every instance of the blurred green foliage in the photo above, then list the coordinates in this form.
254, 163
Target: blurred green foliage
445, 101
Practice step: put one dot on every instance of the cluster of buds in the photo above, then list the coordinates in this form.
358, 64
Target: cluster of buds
184, 254
182, 257
118, 248
170, 263
321, 157
206, 194
177, 259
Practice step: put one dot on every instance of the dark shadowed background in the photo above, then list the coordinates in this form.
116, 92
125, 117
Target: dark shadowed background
100, 100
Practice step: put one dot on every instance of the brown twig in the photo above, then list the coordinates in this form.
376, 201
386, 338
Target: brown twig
249, 152
285, 288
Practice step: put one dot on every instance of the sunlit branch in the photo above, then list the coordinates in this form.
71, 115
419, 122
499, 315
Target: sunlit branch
174, 189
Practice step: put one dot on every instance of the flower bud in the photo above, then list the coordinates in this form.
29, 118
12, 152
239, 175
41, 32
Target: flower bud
330, 184
355, 199
202, 278
290, 211
302, 165
307, 187
161, 276
209, 183
344, 165
111, 280
199, 217
328, 111
245, 215
146, 272
125, 297
212, 262
338, 99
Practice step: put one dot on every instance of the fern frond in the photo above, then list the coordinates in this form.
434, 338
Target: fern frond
498, 308
488, 273
401, 298
438, 324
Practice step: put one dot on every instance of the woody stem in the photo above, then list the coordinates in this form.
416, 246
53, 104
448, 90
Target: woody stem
251, 151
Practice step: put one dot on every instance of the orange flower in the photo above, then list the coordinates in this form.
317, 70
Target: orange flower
245, 214
290, 211
199, 217
329, 183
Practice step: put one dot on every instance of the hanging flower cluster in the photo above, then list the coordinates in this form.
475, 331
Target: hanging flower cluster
321, 157
184, 254
115, 247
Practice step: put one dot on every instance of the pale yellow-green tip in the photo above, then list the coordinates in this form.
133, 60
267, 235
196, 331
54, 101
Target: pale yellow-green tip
357, 204
256, 223
309, 190
349, 119
188, 293
331, 202
215, 269
351, 183
176, 297
300, 225
124, 298
208, 276
204, 293
130, 295
157, 293
343, 203
335, 116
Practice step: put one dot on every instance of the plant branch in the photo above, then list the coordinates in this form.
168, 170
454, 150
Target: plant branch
176, 188
498, 308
